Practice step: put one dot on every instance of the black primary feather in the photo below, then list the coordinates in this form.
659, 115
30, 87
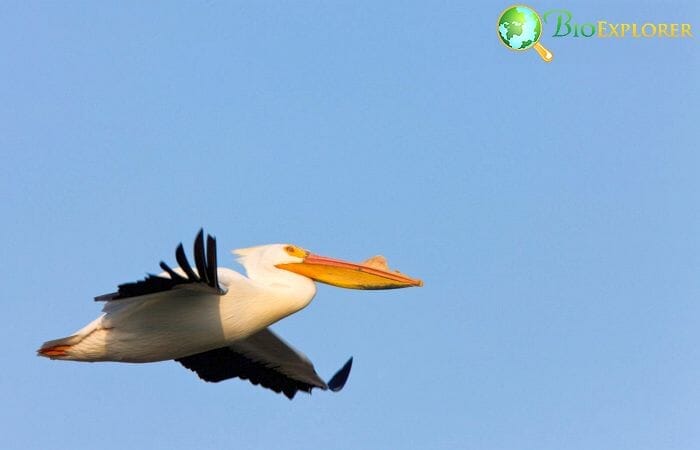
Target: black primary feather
205, 262
184, 264
199, 259
173, 275
212, 273
337, 381
225, 363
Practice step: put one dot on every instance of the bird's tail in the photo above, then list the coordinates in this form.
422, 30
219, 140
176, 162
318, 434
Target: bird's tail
58, 348
61, 348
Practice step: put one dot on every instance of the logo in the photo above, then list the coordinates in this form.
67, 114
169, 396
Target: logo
564, 26
520, 28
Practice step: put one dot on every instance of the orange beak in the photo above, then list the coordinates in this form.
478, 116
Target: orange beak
349, 275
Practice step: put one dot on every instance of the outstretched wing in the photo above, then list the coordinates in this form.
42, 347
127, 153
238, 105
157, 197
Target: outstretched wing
205, 276
265, 359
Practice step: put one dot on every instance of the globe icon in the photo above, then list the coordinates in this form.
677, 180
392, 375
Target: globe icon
519, 28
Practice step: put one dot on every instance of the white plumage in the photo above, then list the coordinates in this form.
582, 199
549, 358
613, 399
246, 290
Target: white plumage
214, 320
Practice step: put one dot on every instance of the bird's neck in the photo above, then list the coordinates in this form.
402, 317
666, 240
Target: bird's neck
265, 300
290, 291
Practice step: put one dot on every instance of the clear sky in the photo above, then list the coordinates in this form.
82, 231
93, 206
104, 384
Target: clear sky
551, 209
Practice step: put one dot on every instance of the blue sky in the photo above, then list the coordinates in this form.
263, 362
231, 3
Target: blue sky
551, 209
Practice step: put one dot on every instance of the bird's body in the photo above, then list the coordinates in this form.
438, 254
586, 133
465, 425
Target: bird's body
212, 320
171, 326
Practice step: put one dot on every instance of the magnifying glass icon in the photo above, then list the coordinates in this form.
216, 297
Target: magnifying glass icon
520, 28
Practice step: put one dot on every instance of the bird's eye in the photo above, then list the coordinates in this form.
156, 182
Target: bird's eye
293, 250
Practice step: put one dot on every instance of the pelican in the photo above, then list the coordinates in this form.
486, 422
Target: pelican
214, 321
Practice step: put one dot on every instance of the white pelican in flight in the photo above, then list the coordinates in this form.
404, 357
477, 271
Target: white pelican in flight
214, 321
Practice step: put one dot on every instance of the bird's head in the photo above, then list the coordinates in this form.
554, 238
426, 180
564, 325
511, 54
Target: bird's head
372, 274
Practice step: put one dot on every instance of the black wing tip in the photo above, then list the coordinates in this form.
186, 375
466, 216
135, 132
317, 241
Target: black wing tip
176, 277
200, 257
337, 381
206, 264
184, 264
204, 260
107, 297
201, 234
224, 363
